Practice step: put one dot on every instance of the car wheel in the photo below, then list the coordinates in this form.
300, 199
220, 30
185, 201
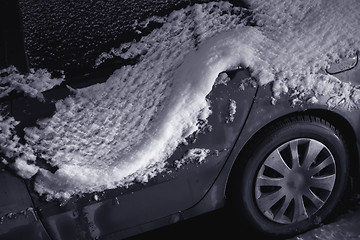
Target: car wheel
291, 178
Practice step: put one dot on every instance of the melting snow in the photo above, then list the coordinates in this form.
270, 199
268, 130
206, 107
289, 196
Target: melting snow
232, 111
223, 78
110, 134
13, 215
195, 155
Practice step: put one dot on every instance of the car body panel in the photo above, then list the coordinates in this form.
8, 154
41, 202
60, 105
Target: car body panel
18, 218
171, 192
351, 75
264, 112
176, 194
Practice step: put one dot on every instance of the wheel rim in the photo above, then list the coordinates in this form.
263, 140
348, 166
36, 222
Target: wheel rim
295, 181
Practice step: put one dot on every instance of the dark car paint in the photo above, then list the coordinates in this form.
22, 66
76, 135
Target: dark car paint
18, 218
12, 46
169, 193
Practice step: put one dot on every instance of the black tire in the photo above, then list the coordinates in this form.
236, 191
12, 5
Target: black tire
256, 177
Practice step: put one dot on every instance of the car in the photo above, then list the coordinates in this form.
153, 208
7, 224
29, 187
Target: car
281, 168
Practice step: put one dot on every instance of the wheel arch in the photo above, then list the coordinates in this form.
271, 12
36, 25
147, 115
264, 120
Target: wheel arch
341, 123
349, 134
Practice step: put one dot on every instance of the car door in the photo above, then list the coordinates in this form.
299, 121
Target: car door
139, 207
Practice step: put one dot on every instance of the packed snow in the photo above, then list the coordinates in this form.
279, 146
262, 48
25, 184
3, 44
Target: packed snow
110, 134
232, 111
194, 155
31, 84
11, 148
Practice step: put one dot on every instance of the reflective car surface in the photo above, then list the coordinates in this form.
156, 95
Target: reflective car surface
280, 168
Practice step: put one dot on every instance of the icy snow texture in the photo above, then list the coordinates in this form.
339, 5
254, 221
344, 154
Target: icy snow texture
302, 38
113, 133
31, 84
232, 111
8, 139
195, 155
10, 148
223, 78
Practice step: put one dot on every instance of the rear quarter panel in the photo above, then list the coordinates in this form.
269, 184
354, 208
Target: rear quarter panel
264, 112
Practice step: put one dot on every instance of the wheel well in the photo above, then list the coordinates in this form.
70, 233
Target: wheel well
348, 133
334, 119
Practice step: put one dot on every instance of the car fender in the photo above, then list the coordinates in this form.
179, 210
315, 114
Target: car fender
263, 112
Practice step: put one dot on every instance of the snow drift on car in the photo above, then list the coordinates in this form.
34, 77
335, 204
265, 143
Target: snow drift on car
108, 135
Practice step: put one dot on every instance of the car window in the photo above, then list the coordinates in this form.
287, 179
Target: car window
70, 35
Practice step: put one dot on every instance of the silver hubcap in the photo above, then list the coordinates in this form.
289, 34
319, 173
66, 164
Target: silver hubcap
295, 180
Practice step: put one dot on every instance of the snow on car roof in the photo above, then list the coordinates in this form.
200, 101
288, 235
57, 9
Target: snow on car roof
111, 134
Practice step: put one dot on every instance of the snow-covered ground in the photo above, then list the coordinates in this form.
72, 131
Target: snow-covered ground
108, 135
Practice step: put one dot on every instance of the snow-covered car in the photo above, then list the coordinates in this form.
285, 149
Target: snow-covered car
282, 168
280, 164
